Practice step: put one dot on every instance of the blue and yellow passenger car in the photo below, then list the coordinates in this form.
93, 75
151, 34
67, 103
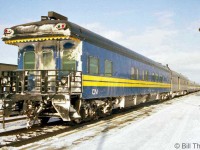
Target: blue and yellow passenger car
69, 72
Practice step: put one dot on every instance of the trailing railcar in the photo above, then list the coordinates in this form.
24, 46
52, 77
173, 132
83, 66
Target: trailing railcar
179, 84
193, 86
70, 72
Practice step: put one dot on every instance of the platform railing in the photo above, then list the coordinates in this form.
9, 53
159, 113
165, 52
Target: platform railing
40, 81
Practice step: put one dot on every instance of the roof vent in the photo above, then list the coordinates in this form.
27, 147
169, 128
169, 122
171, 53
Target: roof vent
55, 16
43, 18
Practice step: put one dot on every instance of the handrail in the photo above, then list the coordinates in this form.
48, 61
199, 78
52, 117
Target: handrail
40, 81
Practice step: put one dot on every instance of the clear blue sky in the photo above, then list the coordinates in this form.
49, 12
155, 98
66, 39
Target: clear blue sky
163, 30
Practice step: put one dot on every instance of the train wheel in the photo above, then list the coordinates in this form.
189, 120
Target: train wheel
169, 97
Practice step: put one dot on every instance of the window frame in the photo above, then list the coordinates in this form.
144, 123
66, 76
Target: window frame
147, 75
133, 74
24, 59
67, 49
46, 49
143, 75
75, 62
110, 70
137, 74
161, 78
157, 77
153, 78
89, 72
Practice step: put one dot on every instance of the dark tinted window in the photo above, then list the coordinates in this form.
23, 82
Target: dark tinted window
68, 63
134, 73
29, 57
93, 65
68, 45
153, 77
29, 60
108, 68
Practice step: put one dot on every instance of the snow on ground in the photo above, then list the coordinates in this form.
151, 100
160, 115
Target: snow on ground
169, 127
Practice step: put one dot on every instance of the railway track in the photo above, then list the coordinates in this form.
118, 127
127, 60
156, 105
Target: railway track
12, 119
20, 137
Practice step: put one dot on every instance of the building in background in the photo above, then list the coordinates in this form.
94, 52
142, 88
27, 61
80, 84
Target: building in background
7, 67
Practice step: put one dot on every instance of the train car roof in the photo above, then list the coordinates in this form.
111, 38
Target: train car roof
179, 75
91, 37
101, 41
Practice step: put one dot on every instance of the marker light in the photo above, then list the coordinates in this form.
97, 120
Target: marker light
60, 26
8, 31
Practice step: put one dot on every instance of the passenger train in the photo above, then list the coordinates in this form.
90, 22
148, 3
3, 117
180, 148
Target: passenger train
69, 72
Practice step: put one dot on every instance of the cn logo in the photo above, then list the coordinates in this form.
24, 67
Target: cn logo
95, 91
